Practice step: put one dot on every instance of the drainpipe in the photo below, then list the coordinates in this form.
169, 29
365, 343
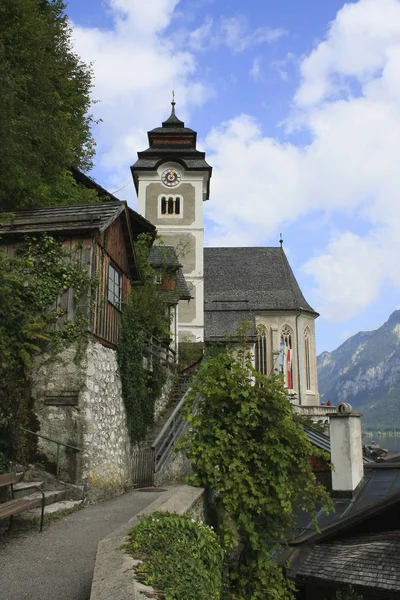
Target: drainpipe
298, 355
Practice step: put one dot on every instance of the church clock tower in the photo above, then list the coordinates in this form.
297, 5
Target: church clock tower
172, 180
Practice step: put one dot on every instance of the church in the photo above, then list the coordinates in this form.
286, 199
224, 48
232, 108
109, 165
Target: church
228, 286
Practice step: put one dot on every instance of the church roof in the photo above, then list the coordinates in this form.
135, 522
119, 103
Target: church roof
241, 281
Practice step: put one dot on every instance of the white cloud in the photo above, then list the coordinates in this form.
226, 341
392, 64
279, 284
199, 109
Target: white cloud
136, 67
357, 45
233, 32
255, 69
350, 167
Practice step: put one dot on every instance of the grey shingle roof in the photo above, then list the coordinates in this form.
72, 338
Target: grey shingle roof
67, 219
163, 256
243, 280
172, 141
166, 257
371, 560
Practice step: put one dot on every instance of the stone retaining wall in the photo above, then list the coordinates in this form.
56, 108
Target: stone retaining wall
78, 400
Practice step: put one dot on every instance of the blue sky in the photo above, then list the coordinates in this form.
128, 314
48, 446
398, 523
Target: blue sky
297, 105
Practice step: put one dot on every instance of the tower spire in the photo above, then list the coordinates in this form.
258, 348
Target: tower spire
173, 103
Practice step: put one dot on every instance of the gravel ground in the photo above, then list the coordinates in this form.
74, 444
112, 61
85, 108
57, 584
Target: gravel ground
58, 563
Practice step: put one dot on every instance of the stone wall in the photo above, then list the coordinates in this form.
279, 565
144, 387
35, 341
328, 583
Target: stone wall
106, 467
78, 401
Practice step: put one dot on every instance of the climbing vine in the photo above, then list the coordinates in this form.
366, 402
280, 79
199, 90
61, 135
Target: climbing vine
29, 286
246, 446
144, 315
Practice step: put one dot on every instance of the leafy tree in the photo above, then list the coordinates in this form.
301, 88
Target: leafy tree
44, 103
246, 446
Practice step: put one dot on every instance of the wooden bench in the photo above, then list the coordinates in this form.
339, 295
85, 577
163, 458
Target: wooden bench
17, 505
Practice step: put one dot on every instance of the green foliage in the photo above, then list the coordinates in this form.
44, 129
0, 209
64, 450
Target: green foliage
181, 557
29, 285
44, 103
348, 594
144, 314
245, 445
189, 353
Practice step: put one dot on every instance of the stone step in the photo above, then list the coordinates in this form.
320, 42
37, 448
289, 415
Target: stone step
63, 506
24, 487
50, 496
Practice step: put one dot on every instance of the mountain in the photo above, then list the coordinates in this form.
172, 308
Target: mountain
365, 371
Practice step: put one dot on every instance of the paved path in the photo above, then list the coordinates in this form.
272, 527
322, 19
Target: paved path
58, 563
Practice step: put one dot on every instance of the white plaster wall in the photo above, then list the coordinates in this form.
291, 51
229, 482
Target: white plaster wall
346, 452
194, 329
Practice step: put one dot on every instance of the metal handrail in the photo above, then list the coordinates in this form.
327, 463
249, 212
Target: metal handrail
172, 431
44, 437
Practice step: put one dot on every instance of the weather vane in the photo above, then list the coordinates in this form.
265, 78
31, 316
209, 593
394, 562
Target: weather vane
281, 240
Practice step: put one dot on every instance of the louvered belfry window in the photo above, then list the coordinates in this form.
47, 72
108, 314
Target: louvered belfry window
171, 205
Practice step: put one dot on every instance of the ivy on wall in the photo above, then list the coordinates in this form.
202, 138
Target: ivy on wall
144, 314
29, 284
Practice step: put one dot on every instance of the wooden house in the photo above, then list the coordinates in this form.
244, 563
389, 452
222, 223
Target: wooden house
99, 236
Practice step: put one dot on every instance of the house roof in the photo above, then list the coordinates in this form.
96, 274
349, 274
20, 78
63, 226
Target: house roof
378, 492
75, 218
247, 280
165, 256
371, 561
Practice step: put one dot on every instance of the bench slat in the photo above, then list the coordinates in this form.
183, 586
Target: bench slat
9, 478
18, 505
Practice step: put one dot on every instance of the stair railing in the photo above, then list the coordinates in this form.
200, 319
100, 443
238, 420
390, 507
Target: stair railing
170, 434
74, 448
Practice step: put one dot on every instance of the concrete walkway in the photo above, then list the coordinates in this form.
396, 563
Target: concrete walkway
58, 563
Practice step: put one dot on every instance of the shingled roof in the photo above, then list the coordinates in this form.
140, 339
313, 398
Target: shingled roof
166, 257
75, 218
171, 142
245, 280
371, 561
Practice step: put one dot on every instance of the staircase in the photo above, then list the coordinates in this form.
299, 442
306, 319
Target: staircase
156, 450
60, 497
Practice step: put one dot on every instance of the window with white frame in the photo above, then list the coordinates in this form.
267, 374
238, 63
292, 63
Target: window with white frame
114, 286
170, 206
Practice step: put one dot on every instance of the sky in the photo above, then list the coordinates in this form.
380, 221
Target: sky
297, 105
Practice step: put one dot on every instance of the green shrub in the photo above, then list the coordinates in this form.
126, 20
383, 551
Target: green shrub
181, 557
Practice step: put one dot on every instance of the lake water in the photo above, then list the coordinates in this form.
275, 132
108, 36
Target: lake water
389, 440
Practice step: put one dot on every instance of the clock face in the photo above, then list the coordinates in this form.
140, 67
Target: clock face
171, 177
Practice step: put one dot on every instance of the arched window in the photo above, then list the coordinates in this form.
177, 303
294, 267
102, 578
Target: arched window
170, 205
261, 350
307, 353
286, 357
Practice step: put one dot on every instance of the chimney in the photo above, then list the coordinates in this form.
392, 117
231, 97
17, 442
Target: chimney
346, 450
